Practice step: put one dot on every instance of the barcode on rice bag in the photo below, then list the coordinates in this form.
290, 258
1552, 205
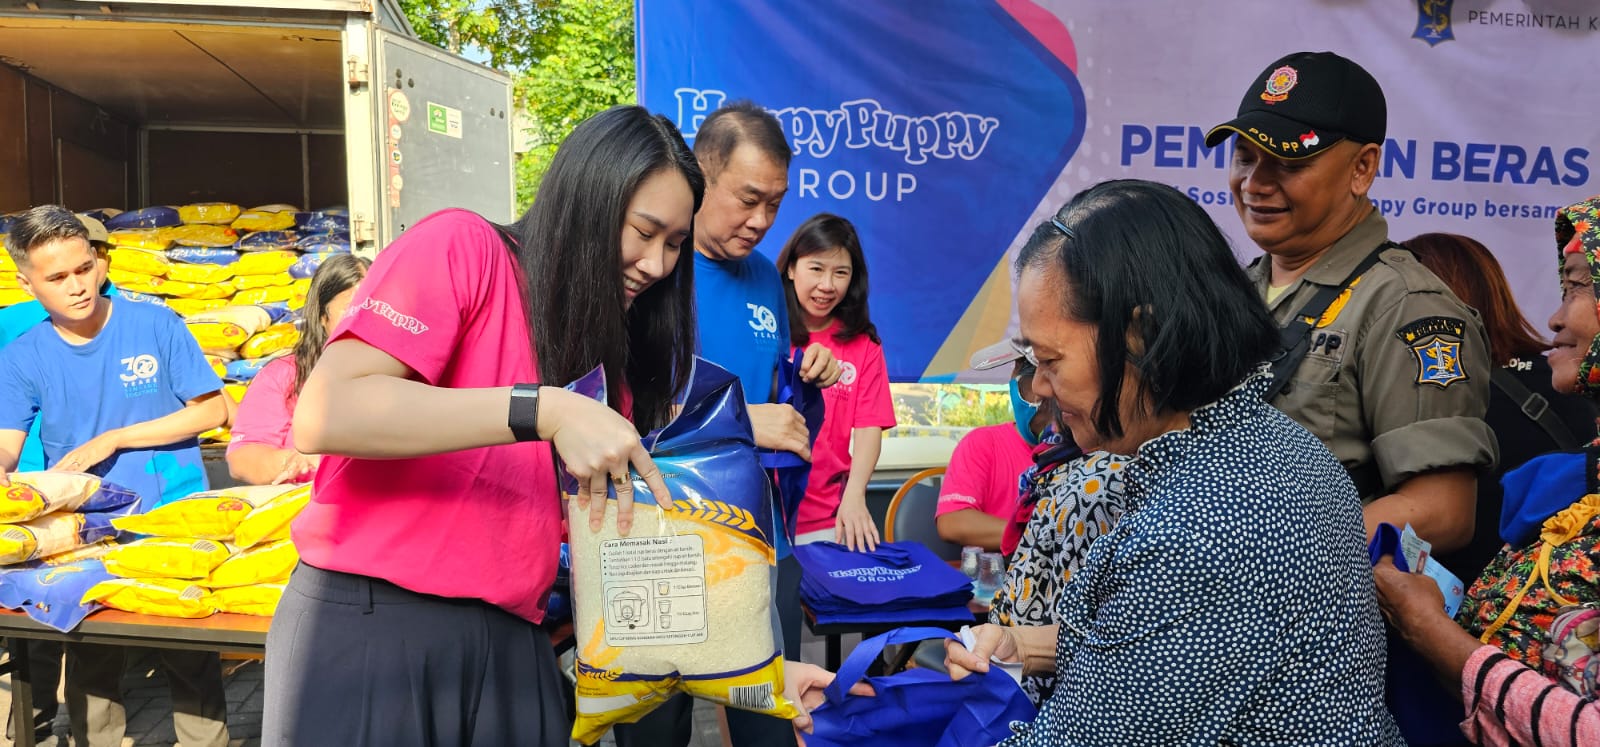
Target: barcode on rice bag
755, 697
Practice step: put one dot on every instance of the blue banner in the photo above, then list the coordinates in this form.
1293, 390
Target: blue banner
937, 127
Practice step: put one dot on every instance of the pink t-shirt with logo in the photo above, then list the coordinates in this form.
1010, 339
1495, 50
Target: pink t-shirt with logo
860, 400
984, 470
481, 523
268, 406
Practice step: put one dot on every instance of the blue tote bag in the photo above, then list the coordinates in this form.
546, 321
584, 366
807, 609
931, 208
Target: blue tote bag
917, 707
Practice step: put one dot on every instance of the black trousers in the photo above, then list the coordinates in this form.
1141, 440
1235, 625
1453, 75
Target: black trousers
353, 660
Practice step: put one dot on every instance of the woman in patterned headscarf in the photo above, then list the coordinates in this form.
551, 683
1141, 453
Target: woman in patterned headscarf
1507, 702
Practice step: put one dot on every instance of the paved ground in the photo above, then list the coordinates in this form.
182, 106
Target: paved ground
150, 712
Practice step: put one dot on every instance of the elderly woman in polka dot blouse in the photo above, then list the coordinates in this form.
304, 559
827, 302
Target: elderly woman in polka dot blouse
1233, 603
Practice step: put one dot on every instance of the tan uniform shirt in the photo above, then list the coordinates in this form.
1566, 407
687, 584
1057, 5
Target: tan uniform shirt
1397, 379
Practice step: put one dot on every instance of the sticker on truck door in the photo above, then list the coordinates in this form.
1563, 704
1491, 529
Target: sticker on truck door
444, 120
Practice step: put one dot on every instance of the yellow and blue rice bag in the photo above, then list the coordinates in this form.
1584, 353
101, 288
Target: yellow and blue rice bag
35, 494
270, 521
269, 563
53, 534
681, 604
166, 557
264, 263
51, 590
151, 596
256, 599
211, 514
213, 213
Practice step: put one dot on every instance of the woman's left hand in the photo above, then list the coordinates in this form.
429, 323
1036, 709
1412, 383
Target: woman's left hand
854, 527
803, 685
1406, 598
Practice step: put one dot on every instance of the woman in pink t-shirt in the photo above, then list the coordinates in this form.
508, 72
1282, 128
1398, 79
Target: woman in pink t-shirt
261, 452
431, 540
825, 279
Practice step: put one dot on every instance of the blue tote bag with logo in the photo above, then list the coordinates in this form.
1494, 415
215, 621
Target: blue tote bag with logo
917, 707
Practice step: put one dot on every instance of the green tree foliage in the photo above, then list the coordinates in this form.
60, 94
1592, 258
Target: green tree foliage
513, 33
588, 67
570, 59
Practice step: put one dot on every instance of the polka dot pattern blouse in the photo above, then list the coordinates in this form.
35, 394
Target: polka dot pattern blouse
1232, 604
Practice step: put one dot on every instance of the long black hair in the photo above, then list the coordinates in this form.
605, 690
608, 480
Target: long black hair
825, 232
569, 246
1139, 257
335, 275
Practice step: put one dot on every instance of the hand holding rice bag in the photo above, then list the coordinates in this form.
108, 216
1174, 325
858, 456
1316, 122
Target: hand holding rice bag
166, 557
34, 494
210, 514
683, 602
151, 596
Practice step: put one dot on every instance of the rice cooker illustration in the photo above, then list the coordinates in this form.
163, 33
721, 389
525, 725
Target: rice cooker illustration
628, 608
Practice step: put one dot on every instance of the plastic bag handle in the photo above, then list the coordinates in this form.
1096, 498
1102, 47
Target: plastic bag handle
855, 665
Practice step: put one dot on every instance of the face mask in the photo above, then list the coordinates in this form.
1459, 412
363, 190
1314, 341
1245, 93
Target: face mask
1022, 412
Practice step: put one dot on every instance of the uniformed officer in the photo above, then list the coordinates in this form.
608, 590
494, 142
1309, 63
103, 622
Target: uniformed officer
1391, 370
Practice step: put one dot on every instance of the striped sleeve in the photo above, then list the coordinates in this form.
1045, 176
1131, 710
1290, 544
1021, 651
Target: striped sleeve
1510, 704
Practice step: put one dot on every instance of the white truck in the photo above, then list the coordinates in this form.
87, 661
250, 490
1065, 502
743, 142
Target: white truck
314, 103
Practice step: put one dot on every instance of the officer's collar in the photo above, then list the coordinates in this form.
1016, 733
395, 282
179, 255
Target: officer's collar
1341, 259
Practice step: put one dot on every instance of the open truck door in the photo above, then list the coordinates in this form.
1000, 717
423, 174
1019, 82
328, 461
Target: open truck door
443, 134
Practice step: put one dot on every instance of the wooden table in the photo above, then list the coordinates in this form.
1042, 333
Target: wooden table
229, 633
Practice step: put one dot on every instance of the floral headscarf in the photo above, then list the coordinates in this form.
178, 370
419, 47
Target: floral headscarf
1578, 230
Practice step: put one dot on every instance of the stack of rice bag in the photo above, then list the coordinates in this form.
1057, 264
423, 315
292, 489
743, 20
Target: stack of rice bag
54, 528
207, 255
215, 551
212, 254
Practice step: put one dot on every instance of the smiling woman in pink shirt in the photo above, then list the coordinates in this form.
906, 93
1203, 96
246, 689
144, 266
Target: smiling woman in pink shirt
431, 540
825, 278
261, 451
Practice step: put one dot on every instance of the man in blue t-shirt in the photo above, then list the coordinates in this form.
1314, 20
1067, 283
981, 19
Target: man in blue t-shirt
121, 390
19, 318
744, 327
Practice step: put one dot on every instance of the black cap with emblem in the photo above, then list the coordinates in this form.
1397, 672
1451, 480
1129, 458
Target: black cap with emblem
1302, 104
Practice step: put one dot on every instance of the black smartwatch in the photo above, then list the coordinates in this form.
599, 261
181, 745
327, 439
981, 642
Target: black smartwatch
523, 418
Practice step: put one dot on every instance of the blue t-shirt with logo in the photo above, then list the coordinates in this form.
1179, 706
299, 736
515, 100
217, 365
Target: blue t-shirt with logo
143, 365
744, 320
15, 320
744, 327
